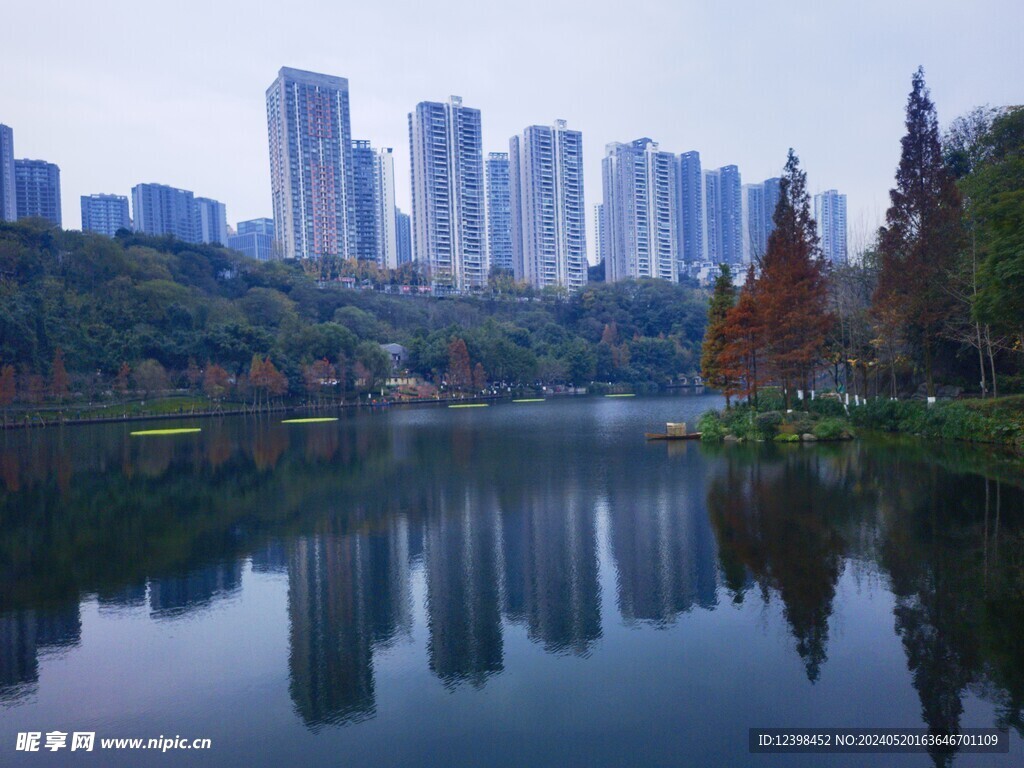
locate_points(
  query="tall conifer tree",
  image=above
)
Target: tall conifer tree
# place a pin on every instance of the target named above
(922, 234)
(792, 286)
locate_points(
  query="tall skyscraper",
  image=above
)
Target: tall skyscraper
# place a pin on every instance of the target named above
(724, 215)
(402, 225)
(212, 221)
(448, 227)
(254, 238)
(105, 214)
(549, 239)
(691, 208)
(8, 196)
(37, 190)
(759, 201)
(753, 222)
(384, 202)
(364, 209)
(601, 234)
(499, 211)
(830, 213)
(641, 209)
(158, 209)
(373, 204)
(310, 164)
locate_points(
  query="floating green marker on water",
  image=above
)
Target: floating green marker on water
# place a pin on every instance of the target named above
(628, 394)
(530, 400)
(319, 420)
(183, 431)
(470, 405)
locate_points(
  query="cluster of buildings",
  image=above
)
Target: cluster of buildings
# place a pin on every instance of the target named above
(661, 216)
(664, 216)
(521, 211)
(31, 189)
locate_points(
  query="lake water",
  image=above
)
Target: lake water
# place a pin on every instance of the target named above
(524, 584)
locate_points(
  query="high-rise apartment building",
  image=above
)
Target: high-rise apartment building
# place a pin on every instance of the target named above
(723, 210)
(373, 204)
(754, 239)
(549, 240)
(8, 196)
(402, 225)
(211, 221)
(830, 213)
(601, 234)
(384, 201)
(310, 164)
(692, 235)
(759, 201)
(641, 209)
(37, 190)
(158, 209)
(499, 211)
(363, 219)
(105, 214)
(448, 219)
(254, 238)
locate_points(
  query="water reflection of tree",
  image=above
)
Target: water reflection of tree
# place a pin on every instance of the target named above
(776, 520)
(958, 598)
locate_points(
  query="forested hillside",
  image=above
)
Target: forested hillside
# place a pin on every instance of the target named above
(113, 311)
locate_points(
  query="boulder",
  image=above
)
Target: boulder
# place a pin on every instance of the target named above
(807, 437)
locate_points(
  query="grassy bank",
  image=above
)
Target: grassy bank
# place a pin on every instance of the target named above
(997, 421)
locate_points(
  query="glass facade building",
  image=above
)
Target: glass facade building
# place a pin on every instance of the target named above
(691, 208)
(499, 211)
(723, 210)
(404, 232)
(254, 238)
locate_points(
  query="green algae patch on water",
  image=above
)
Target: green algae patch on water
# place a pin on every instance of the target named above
(319, 420)
(157, 432)
(628, 394)
(470, 405)
(530, 400)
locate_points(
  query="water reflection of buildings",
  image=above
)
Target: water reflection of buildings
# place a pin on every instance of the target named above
(463, 594)
(663, 546)
(173, 596)
(348, 593)
(24, 635)
(550, 558)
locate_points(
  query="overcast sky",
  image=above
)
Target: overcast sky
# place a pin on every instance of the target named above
(118, 93)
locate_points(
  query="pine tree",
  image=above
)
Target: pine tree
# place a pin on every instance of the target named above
(460, 375)
(793, 290)
(58, 377)
(922, 234)
(722, 300)
(8, 388)
(740, 361)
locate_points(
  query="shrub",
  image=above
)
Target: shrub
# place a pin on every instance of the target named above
(765, 425)
(829, 429)
(826, 406)
(770, 399)
(787, 437)
(710, 427)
